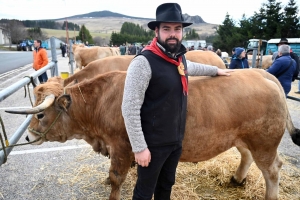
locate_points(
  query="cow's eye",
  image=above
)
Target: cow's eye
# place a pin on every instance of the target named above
(40, 116)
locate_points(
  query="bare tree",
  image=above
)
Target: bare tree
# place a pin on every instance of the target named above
(16, 31)
(101, 41)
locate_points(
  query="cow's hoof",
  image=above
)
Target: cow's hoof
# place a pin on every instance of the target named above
(107, 181)
(234, 182)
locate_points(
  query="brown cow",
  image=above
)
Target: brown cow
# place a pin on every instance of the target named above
(265, 64)
(121, 63)
(205, 57)
(83, 55)
(101, 66)
(252, 116)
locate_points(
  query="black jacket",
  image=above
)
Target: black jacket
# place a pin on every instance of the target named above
(163, 113)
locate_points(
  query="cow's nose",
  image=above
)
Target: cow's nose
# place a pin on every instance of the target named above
(27, 138)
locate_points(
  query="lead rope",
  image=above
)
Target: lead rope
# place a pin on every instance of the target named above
(6, 144)
(81, 93)
(33, 84)
(2, 142)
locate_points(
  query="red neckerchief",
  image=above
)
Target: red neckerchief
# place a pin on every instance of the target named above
(156, 50)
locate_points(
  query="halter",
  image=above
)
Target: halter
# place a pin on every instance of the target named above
(43, 134)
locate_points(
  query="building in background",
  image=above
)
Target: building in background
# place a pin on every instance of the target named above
(4, 37)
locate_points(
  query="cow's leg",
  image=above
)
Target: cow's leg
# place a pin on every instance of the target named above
(239, 178)
(270, 165)
(119, 167)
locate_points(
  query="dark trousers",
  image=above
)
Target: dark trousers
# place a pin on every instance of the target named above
(159, 176)
(43, 77)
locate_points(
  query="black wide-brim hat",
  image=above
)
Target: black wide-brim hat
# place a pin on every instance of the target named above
(168, 12)
(283, 41)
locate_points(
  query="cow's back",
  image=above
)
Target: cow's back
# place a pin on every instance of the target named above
(205, 57)
(243, 109)
(100, 66)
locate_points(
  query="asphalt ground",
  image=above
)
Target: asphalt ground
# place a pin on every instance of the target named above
(58, 170)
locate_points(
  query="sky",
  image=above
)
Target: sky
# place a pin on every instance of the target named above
(211, 11)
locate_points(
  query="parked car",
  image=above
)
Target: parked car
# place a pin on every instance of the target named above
(25, 45)
(45, 45)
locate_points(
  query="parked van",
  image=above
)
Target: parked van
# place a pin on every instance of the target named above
(196, 43)
(253, 44)
(293, 42)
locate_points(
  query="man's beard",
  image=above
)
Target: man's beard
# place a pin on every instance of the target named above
(172, 48)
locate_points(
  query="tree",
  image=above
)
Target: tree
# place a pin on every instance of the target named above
(274, 19)
(192, 35)
(291, 25)
(258, 23)
(84, 35)
(131, 33)
(16, 31)
(226, 35)
(101, 41)
(36, 33)
(71, 26)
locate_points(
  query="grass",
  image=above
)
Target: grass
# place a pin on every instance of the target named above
(5, 48)
(62, 33)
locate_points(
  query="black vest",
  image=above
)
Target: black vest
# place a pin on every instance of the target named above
(163, 113)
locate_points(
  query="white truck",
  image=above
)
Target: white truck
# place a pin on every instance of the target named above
(198, 44)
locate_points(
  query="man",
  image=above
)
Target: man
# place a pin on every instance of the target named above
(283, 67)
(132, 49)
(122, 49)
(63, 49)
(141, 48)
(210, 48)
(155, 103)
(292, 54)
(40, 60)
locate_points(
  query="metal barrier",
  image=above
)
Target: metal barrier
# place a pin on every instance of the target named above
(16, 86)
(294, 98)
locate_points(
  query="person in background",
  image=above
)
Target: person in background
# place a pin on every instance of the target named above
(122, 49)
(233, 52)
(40, 60)
(63, 49)
(141, 48)
(132, 49)
(210, 48)
(239, 60)
(292, 54)
(219, 53)
(283, 67)
(154, 103)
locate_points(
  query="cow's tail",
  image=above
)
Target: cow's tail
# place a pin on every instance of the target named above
(294, 132)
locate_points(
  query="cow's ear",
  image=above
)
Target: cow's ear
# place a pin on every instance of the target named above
(63, 102)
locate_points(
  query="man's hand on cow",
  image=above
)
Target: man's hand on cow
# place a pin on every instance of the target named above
(143, 158)
(224, 72)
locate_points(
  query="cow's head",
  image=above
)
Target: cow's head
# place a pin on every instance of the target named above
(47, 123)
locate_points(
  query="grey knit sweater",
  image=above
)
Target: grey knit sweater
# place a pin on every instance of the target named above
(136, 83)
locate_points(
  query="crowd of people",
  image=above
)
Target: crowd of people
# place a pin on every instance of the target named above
(284, 67)
(131, 49)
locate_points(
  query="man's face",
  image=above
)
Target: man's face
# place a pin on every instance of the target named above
(169, 35)
(36, 44)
